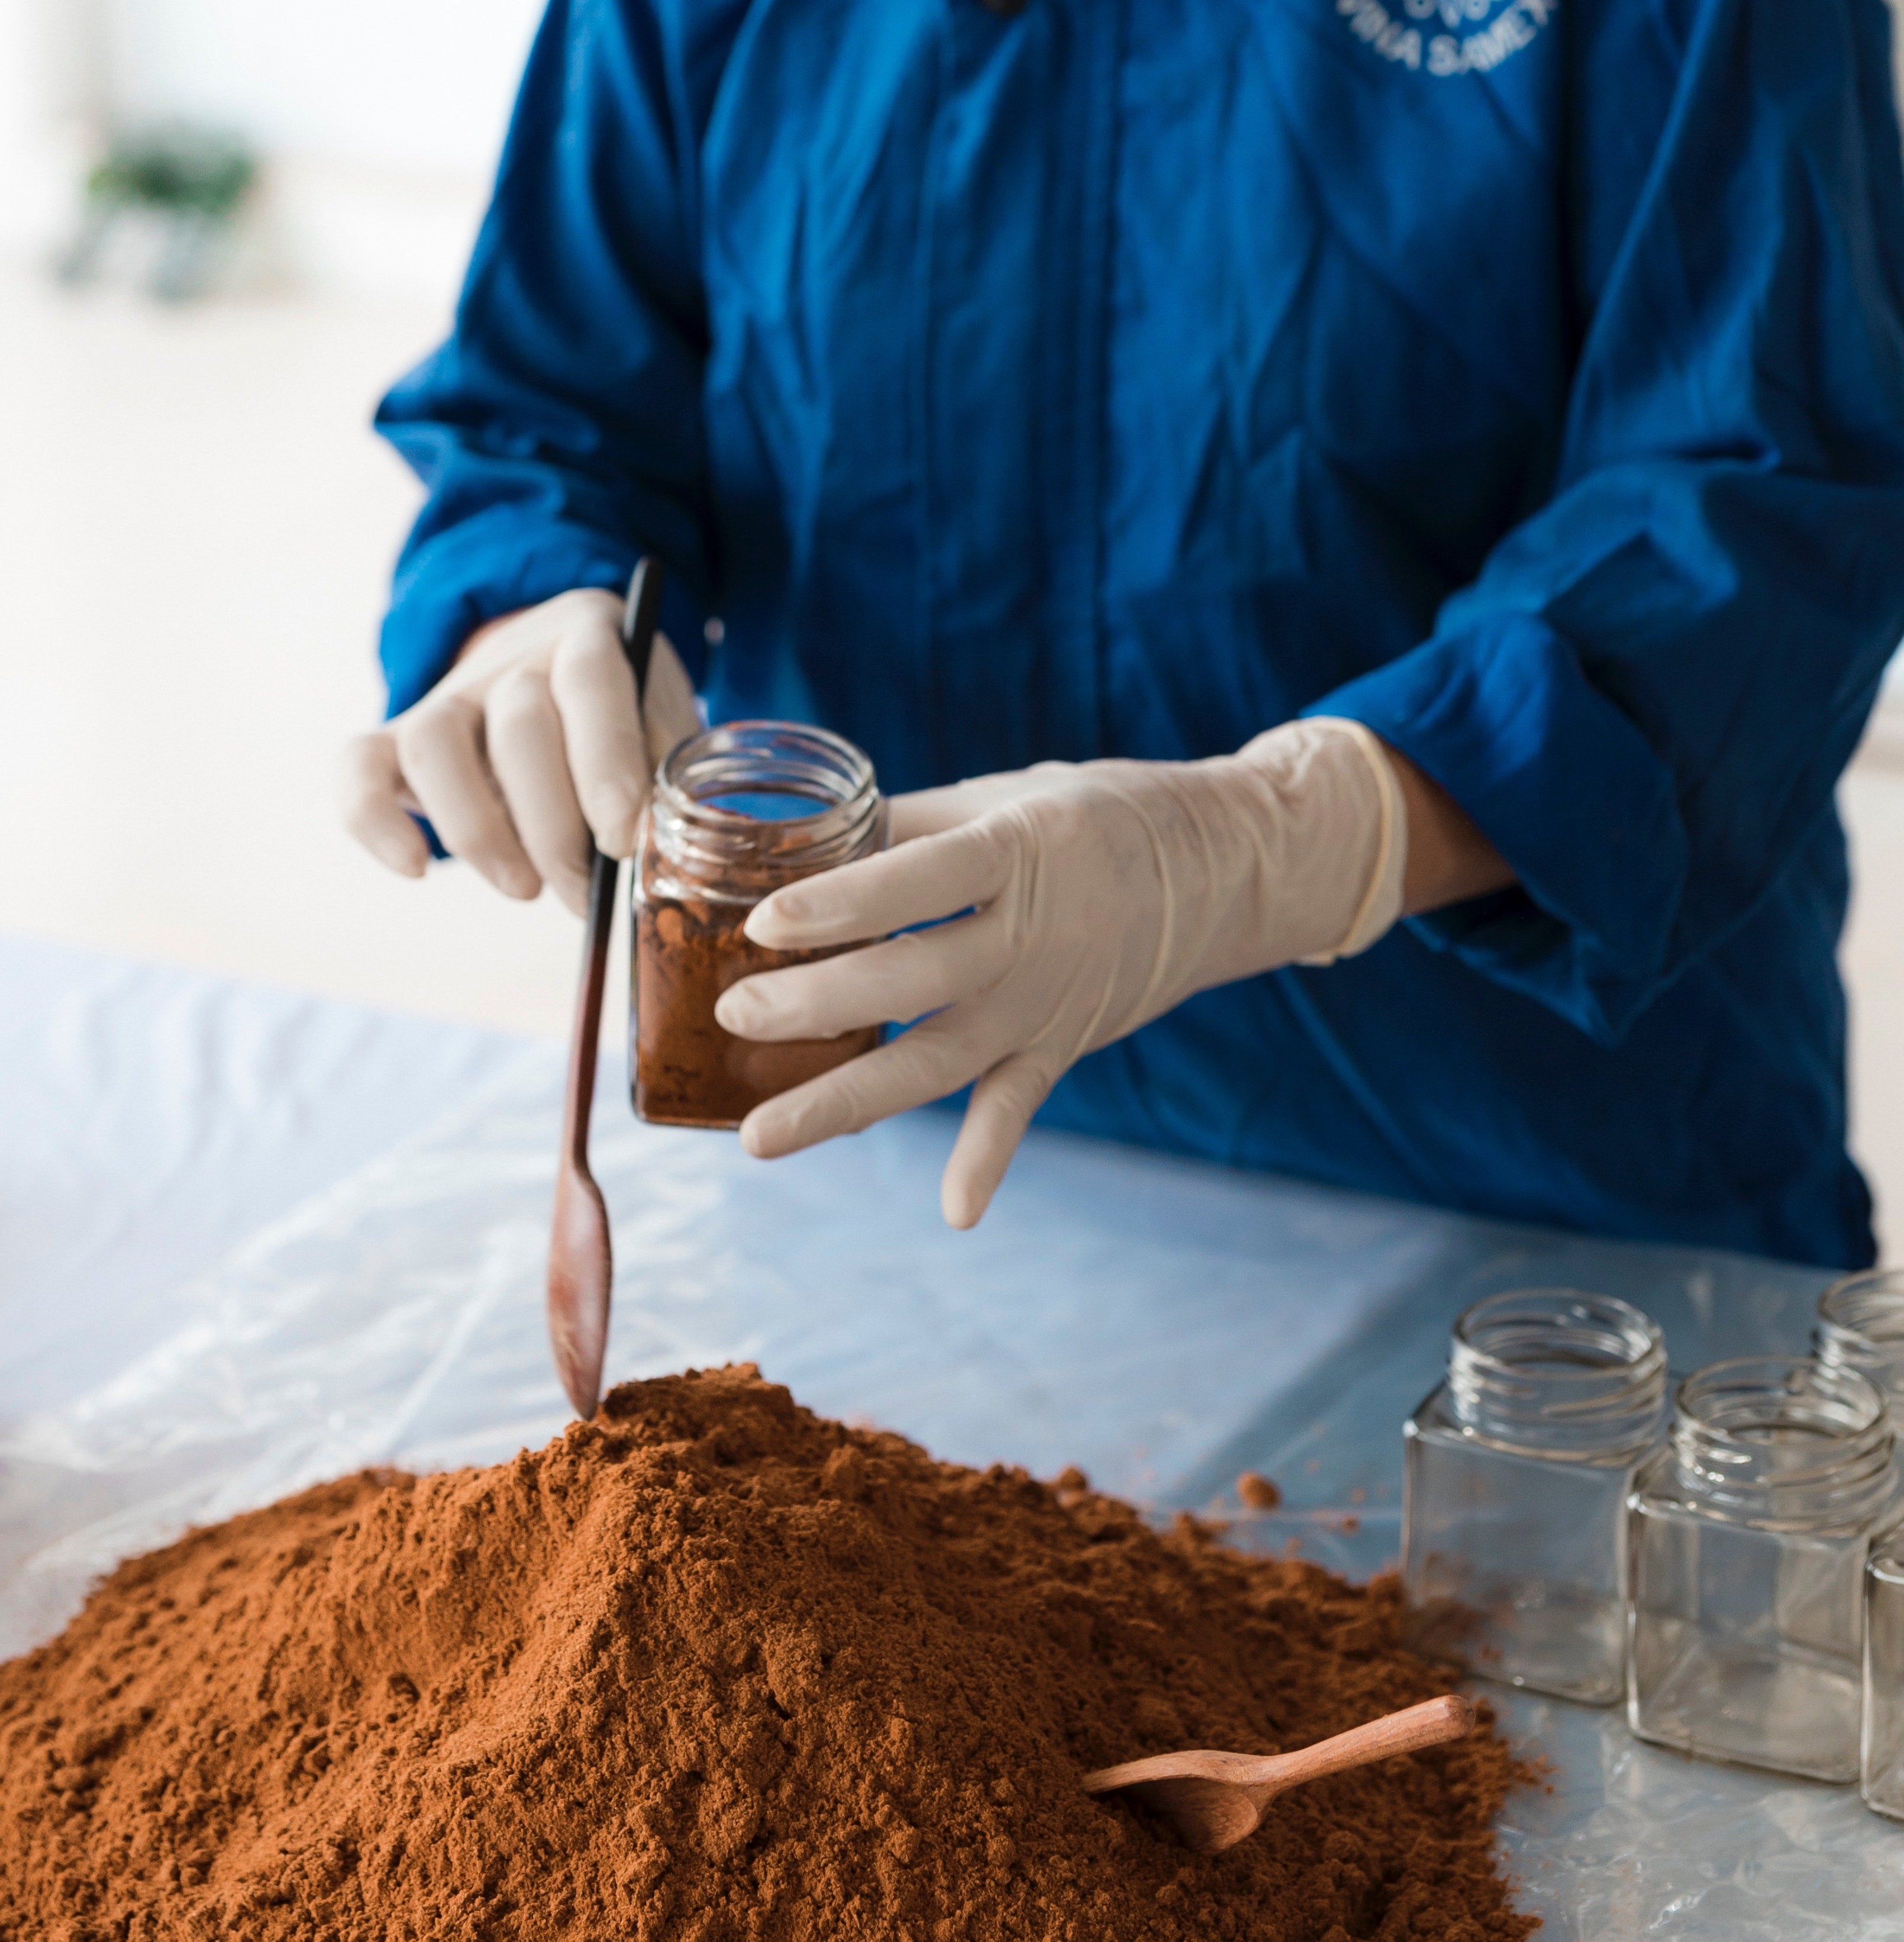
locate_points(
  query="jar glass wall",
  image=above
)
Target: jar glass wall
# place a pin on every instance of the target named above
(1515, 1486)
(1750, 1534)
(736, 813)
(1882, 1753)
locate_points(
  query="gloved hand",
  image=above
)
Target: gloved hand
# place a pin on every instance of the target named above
(532, 740)
(1100, 895)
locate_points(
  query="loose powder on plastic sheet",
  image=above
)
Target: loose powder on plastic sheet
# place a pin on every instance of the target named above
(711, 1668)
(1257, 1493)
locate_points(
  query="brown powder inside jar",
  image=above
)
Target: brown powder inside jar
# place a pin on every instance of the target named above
(711, 1669)
(689, 1070)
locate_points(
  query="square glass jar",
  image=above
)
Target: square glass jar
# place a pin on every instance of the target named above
(738, 812)
(1517, 1475)
(1750, 1533)
(1883, 1752)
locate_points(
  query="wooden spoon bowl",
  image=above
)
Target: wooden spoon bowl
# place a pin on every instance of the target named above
(1216, 1799)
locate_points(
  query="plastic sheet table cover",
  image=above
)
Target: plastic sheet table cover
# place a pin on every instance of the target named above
(1162, 1323)
(155, 1117)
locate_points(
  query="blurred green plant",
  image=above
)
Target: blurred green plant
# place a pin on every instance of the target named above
(181, 169)
(193, 180)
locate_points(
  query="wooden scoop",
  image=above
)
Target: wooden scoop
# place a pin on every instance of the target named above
(1215, 1799)
(581, 1260)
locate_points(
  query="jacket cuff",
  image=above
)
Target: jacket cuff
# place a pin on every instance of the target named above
(1581, 807)
(495, 563)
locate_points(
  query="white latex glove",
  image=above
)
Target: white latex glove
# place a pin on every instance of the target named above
(1101, 895)
(532, 741)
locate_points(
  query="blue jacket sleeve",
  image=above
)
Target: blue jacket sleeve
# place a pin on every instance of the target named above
(559, 429)
(1645, 698)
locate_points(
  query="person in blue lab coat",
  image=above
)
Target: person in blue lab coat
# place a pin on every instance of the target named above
(1004, 382)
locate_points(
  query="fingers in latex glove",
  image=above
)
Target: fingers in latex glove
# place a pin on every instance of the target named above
(962, 1046)
(1003, 1103)
(929, 811)
(442, 752)
(946, 850)
(926, 1063)
(955, 860)
(376, 805)
(889, 983)
(979, 976)
(931, 1060)
(528, 751)
(934, 1058)
(533, 743)
(1103, 894)
(918, 882)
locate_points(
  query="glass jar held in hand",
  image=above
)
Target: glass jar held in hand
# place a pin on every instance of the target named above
(736, 813)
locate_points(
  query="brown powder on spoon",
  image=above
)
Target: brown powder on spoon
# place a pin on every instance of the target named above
(715, 1669)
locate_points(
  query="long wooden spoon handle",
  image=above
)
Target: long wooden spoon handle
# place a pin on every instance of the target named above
(640, 611)
(1430, 1724)
(581, 1250)
(585, 1034)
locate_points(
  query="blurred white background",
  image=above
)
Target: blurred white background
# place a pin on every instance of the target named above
(197, 526)
(380, 119)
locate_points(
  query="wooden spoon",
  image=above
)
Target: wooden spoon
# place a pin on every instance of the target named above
(581, 1260)
(1216, 1799)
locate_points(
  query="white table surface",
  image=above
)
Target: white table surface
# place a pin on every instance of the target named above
(249, 1241)
(154, 1118)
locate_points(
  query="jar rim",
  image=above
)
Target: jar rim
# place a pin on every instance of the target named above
(1558, 1373)
(824, 751)
(1785, 1384)
(1601, 1318)
(1785, 1441)
(696, 845)
(1855, 1303)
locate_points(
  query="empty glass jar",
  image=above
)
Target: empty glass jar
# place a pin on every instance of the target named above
(1518, 1471)
(1750, 1534)
(1860, 1326)
(1883, 1755)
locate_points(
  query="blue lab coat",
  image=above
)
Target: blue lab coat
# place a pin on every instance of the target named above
(1524, 378)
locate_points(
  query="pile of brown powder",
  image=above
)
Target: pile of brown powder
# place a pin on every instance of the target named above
(713, 1669)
